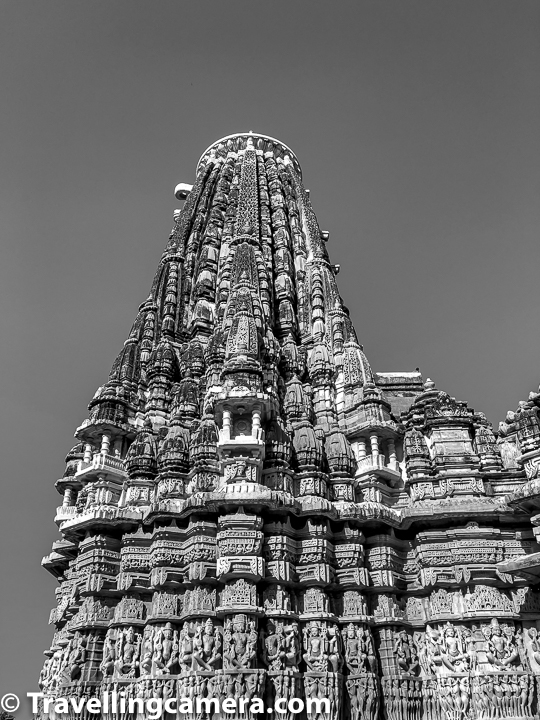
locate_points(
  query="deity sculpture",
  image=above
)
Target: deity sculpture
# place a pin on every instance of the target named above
(185, 649)
(240, 647)
(166, 650)
(355, 658)
(109, 655)
(127, 652)
(315, 646)
(406, 660)
(452, 655)
(77, 657)
(501, 650)
(274, 646)
(335, 655)
(206, 647)
(147, 651)
(292, 647)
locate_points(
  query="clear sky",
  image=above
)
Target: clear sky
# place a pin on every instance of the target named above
(417, 127)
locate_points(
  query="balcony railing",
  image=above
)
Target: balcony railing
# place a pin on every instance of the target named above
(102, 464)
(65, 512)
(377, 464)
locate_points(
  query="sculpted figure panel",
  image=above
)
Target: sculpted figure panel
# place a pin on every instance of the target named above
(166, 650)
(239, 642)
(359, 651)
(127, 650)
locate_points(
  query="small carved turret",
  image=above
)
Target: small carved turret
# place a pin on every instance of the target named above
(339, 454)
(174, 450)
(486, 444)
(417, 457)
(141, 459)
(203, 449)
(278, 444)
(308, 452)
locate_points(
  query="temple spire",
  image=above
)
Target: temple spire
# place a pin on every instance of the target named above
(251, 511)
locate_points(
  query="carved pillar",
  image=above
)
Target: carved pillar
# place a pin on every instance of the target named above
(68, 495)
(374, 441)
(105, 444)
(87, 457)
(362, 449)
(256, 424)
(227, 424)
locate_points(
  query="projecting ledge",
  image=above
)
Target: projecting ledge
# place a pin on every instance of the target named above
(527, 497)
(527, 563)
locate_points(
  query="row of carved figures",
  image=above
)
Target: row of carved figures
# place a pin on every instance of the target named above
(129, 652)
(492, 696)
(200, 646)
(456, 649)
(253, 691)
(488, 696)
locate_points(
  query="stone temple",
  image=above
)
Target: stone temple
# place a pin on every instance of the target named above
(251, 511)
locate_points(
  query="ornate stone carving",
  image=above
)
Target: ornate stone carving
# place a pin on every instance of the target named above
(359, 650)
(239, 642)
(166, 650)
(240, 593)
(127, 650)
(251, 512)
(501, 648)
(487, 598)
(207, 647)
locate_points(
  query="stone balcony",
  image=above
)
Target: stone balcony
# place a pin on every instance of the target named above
(104, 466)
(247, 441)
(64, 512)
(69, 518)
(377, 465)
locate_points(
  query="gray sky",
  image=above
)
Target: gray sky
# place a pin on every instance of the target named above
(416, 125)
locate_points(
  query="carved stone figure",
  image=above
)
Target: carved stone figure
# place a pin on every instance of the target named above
(274, 646)
(127, 652)
(354, 657)
(185, 649)
(240, 642)
(206, 647)
(315, 646)
(166, 650)
(453, 656)
(109, 655)
(406, 656)
(501, 650)
(77, 657)
(147, 651)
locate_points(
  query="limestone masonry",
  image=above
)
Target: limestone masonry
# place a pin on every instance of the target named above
(251, 511)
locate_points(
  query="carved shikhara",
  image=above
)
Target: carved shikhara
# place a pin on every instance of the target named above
(251, 511)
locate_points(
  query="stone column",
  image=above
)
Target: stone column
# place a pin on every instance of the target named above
(87, 457)
(256, 425)
(226, 424)
(374, 446)
(68, 495)
(105, 444)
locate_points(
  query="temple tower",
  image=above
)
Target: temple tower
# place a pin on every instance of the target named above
(251, 511)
